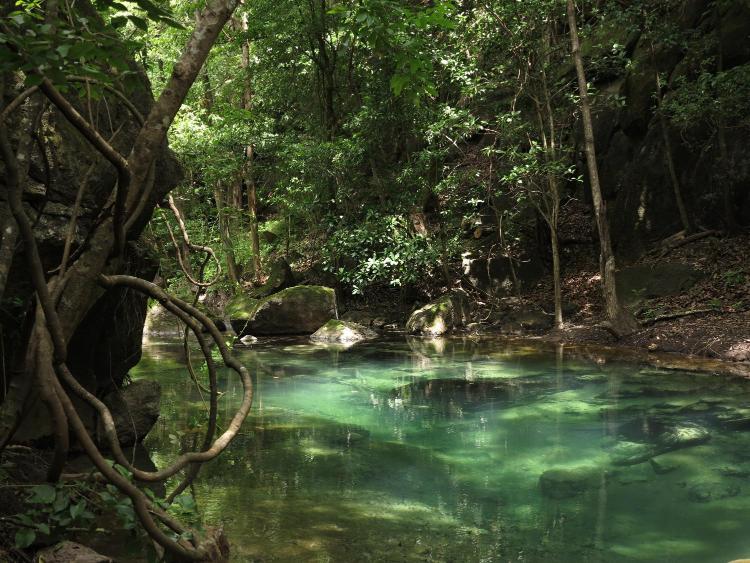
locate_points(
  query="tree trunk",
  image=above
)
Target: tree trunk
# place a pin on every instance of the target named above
(621, 320)
(224, 233)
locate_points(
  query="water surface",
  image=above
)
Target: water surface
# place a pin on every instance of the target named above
(433, 451)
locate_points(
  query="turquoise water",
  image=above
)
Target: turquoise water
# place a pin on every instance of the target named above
(435, 451)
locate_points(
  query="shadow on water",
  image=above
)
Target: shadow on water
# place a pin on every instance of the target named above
(466, 450)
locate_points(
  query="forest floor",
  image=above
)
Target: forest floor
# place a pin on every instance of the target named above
(710, 319)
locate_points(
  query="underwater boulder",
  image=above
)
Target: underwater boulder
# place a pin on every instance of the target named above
(563, 483)
(301, 309)
(343, 332)
(443, 315)
(712, 490)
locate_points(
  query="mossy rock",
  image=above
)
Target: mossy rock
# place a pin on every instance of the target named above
(302, 309)
(240, 309)
(345, 332)
(449, 312)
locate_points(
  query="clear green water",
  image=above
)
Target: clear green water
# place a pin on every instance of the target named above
(419, 451)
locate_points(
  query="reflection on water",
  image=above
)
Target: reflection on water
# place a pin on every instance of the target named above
(459, 450)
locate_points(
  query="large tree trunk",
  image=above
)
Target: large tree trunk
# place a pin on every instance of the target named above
(621, 320)
(248, 167)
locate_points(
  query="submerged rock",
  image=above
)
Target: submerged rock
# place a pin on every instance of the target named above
(135, 410)
(343, 332)
(70, 552)
(710, 491)
(566, 483)
(668, 439)
(449, 312)
(302, 309)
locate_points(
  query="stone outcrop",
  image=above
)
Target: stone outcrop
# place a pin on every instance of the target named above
(443, 315)
(302, 309)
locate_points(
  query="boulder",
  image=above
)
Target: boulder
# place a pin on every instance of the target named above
(279, 278)
(449, 312)
(655, 280)
(526, 319)
(344, 332)
(161, 323)
(494, 275)
(135, 410)
(70, 552)
(568, 482)
(302, 309)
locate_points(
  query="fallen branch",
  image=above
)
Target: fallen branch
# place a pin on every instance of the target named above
(672, 316)
(677, 242)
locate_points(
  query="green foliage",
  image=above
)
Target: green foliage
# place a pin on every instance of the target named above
(381, 250)
(79, 42)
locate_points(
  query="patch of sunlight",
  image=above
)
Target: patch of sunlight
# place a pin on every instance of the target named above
(655, 547)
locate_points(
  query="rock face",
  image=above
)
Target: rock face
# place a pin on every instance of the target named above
(135, 410)
(107, 341)
(302, 309)
(343, 332)
(630, 145)
(655, 280)
(70, 552)
(560, 484)
(449, 312)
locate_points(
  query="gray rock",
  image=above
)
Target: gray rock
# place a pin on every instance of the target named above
(302, 309)
(70, 552)
(565, 483)
(135, 410)
(343, 332)
(449, 312)
(161, 323)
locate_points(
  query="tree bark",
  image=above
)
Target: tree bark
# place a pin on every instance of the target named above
(621, 320)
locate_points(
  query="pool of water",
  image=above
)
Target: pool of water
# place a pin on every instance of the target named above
(463, 450)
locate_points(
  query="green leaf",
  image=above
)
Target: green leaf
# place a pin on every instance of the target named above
(43, 528)
(43, 494)
(24, 538)
(77, 509)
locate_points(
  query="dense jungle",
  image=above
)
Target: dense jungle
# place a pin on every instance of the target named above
(374, 280)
